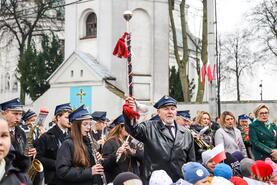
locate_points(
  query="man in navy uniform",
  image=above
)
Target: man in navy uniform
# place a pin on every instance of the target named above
(167, 145)
(100, 125)
(12, 111)
(49, 143)
(183, 118)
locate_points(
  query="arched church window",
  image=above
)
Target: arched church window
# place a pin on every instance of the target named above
(7, 81)
(91, 25)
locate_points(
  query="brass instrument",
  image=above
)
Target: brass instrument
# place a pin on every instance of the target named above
(200, 142)
(36, 166)
(94, 144)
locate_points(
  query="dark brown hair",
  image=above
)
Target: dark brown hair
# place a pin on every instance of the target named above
(80, 154)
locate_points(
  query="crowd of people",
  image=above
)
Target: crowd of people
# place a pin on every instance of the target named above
(172, 147)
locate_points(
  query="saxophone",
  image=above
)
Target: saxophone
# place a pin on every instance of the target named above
(94, 144)
(36, 166)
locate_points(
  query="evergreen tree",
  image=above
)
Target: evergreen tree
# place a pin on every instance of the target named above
(38, 66)
(175, 87)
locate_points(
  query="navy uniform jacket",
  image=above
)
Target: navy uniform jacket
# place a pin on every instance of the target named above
(161, 151)
(70, 174)
(47, 148)
(20, 141)
(263, 139)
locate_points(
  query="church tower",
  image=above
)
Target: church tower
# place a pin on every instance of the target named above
(94, 27)
(90, 73)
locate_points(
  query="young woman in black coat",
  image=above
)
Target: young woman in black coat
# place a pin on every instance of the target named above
(10, 174)
(75, 164)
(116, 146)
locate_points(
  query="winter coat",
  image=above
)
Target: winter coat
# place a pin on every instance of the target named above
(231, 139)
(47, 148)
(125, 163)
(68, 173)
(263, 139)
(161, 151)
(20, 141)
(16, 174)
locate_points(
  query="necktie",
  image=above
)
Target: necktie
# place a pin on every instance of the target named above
(12, 136)
(170, 130)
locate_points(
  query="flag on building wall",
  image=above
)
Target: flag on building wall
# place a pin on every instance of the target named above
(209, 71)
(81, 95)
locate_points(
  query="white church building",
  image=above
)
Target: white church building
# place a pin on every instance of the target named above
(90, 74)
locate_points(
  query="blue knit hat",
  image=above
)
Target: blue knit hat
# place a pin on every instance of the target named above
(223, 170)
(194, 172)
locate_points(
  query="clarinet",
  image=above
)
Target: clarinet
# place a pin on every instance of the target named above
(119, 156)
(94, 152)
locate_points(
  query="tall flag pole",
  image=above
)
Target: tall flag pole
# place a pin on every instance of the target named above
(127, 16)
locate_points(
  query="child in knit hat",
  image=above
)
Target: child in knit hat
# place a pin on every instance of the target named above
(160, 177)
(195, 173)
(233, 163)
(261, 171)
(273, 178)
(238, 181)
(223, 170)
(245, 167)
(127, 178)
(207, 161)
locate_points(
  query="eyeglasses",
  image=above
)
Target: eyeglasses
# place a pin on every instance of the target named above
(264, 113)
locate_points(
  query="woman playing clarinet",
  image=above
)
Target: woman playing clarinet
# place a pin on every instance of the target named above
(117, 153)
(75, 160)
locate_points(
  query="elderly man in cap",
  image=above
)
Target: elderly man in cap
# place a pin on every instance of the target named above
(12, 112)
(183, 118)
(50, 142)
(167, 145)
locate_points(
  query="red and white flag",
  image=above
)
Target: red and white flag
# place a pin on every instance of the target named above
(209, 71)
(218, 153)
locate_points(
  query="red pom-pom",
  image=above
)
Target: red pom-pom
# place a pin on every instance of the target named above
(120, 49)
(261, 169)
(130, 112)
(238, 181)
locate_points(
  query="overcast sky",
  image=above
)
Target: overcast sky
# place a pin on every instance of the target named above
(231, 17)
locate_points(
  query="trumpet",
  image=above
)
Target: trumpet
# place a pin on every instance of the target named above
(199, 141)
(94, 144)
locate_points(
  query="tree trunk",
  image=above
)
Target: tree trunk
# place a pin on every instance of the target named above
(204, 51)
(181, 61)
(237, 68)
(185, 83)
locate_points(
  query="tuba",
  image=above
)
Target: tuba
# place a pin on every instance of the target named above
(36, 165)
